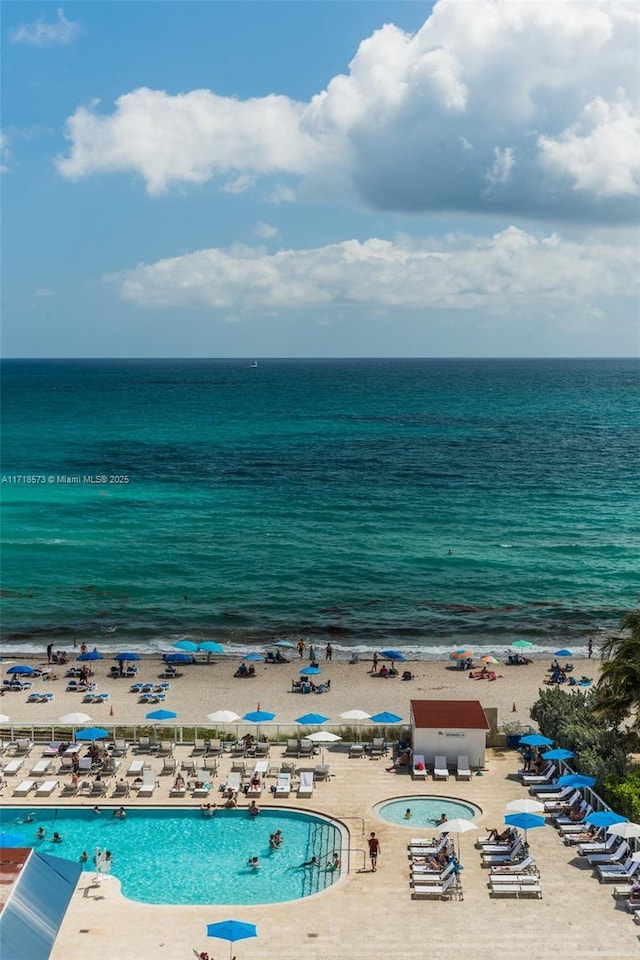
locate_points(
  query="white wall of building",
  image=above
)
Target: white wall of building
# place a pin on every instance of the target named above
(450, 743)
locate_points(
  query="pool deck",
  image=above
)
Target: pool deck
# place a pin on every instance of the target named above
(365, 915)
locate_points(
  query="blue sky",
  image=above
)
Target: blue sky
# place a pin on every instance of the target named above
(320, 179)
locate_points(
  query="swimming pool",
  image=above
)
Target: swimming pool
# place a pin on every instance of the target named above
(425, 811)
(182, 857)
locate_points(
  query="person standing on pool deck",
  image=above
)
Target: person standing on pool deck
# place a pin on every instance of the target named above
(374, 850)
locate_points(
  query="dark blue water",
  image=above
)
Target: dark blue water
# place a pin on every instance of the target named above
(415, 503)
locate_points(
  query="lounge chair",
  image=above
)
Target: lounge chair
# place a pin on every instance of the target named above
(510, 856)
(122, 789)
(463, 770)
(378, 747)
(188, 766)
(441, 890)
(166, 748)
(210, 763)
(262, 749)
(169, 766)
(69, 790)
(46, 788)
(291, 750)
(530, 778)
(614, 872)
(610, 856)
(321, 772)
(234, 780)
(567, 798)
(135, 768)
(24, 788)
(98, 788)
(528, 865)
(419, 767)
(257, 778)
(214, 748)
(144, 745)
(440, 769)
(199, 747)
(283, 785)
(23, 747)
(421, 846)
(149, 783)
(176, 791)
(524, 888)
(305, 786)
(598, 846)
(356, 750)
(202, 785)
(11, 768)
(425, 875)
(306, 748)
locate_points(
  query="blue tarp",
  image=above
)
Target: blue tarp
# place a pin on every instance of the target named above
(31, 918)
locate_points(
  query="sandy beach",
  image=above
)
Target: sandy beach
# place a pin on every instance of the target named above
(204, 688)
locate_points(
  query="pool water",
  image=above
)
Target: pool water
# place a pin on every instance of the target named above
(182, 857)
(425, 811)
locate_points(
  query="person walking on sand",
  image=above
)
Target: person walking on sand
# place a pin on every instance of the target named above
(590, 649)
(49, 652)
(300, 646)
(374, 850)
(374, 668)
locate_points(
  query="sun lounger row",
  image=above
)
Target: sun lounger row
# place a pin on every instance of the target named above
(40, 697)
(524, 887)
(42, 789)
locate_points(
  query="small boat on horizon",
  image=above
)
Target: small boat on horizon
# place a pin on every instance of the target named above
(255, 363)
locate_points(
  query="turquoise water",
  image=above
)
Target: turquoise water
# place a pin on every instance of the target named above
(420, 504)
(171, 856)
(425, 811)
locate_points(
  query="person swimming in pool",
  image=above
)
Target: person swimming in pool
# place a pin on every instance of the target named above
(253, 862)
(408, 815)
(40, 834)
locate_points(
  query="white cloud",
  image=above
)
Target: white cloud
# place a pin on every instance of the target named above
(526, 96)
(508, 271)
(42, 33)
(45, 292)
(5, 153)
(265, 231)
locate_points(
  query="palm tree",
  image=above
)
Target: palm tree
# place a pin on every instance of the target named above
(618, 690)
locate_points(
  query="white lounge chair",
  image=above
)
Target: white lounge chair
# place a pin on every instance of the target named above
(440, 769)
(135, 768)
(441, 890)
(419, 767)
(283, 785)
(11, 768)
(148, 783)
(610, 856)
(24, 788)
(616, 872)
(46, 788)
(463, 770)
(305, 787)
(234, 780)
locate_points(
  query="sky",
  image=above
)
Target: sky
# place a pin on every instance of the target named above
(320, 179)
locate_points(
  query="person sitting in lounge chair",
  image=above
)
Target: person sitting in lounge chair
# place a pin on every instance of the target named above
(402, 760)
(496, 837)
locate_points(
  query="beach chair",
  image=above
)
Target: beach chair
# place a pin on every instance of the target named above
(120, 748)
(23, 747)
(528, 865)
(69, 790)
(199, 747)
(419, 767)
(166, 748)
(214, 748)
(440, 769)
(40, 768)
(24, 788)
(283, 785)
(598, 846)
(144, 745)
(135, 768)
(259, 771)
(262, 749)
(321, 772)
(567, 798)
(305, 786)
(356, 750)
(463, 770)
(427, 875)
(440, 890)
(610, 856)
(98, 788)
(305, 748)
(202, 785)
(617, 872)
(148, 784)
(11, 768)
(424, 847)
(169, 767)
(238, 766)
(291, 749)
(46, 788)
(121, 789)
(509, 856)
(378, 747)
(234, 780)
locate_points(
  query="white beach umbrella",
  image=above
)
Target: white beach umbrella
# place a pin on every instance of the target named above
(624, 829)
(323, 736)
(458, 825)
(75, 718)
(525, 806)
(223, 716)
(358, 716)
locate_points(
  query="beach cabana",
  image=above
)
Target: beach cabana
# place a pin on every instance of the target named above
(449, 728)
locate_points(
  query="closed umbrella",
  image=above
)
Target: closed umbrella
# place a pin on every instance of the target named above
(525, 805)
(392, 655)
(231, 930)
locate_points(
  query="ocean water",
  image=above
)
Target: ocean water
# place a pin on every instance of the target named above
(420, 504)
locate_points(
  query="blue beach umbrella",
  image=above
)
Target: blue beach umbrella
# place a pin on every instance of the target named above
(177, 658)
(311, 719)
(126, 655)
(161, 715)
(536, 740)
(254, 656)
(92, 733)
(186, 645)
(525, 821)
(392, 655)
(12, 840)
(385, 717)
(310, 671)
(557, 754)
(604, 818)
(576, 780)
(22, 669)
(259, 716)
(210, 646)
(90, 655)
(563, 653)
(231, 930)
